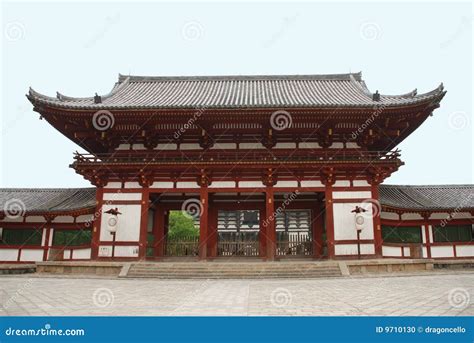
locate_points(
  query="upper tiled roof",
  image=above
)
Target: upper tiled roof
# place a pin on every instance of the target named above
(47, 200)
(428, 197)
(338, 90)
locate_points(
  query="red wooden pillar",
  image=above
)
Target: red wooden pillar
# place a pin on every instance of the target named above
(159, 231)
(99, 201)
(270, 221)
(142, 245)
(262, 235)
(203, 223)
(317, 228)
(329, 221)
(213, 224)
(426, 224)
(377, 222)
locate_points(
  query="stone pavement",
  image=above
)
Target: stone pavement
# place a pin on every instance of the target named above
(430, 294)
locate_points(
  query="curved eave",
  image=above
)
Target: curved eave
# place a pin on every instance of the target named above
(392, 208)
(433, 100)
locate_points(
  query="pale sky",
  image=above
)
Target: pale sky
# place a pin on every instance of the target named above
(79, 49)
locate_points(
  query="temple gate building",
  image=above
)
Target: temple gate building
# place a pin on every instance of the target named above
(268, 167)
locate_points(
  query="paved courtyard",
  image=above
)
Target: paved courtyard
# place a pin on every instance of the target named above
(433, 294)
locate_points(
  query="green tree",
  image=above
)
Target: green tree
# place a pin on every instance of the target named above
(181, 226)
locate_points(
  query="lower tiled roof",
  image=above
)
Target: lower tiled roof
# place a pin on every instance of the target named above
(46, 200)
(50, 200)
(428, 197)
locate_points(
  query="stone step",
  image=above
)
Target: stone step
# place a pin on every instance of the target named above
(232, 270)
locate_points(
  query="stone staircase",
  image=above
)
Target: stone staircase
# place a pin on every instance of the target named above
(231, 270)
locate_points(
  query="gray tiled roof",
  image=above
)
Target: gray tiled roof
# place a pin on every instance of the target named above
(338, 90)
(428, 197)
(403, 197)
(47, 200)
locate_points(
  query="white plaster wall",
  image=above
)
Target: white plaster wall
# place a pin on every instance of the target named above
(123, 196)
(344, 223)
(286, 184)
(342, 183)
(352, 145)
(337, 145)
(189, 146)
(442, 251)
(411, 216)
(251, 146)
(35, 219)
(132, 185)
(221, 146)
(250, 184)
(105, 251)
(309, 145)
(424, 252)
(454, 215)
(123, 147)
(81, 254)
(187, 185)
(389, 215)
(285, 146)
(14, 220)
(138, 147)
(51, 235)
(63, 219)
(85, 218)
(351, 249)
(406, 251)
(126, 251)
(8, 254)
(128, 227)
(391, 251)
(351, 195)
(423, 234)
(313, 183)
(67, 254)
(159, 184)
(43, 237)
(31, 255)
(222, 184)
(113, 185)
(465, 250)
(360, 183)
(166, 146)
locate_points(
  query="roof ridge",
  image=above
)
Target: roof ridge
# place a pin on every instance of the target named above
(342, 77)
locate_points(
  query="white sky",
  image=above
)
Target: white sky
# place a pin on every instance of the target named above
(79, 49)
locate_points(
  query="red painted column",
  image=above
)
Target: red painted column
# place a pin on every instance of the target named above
(317, 229)
(203, 223)
(377, 222)
(213, 223)
(270, 221)
(329, 221)
(427, 235)
(46, 239)
(263, 234)
(96, 223)
(143, 225)
(159, 231)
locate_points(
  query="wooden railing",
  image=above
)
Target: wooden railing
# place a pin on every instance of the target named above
(294, 244)
(238, 248)
(277, 155)
(187, 246)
